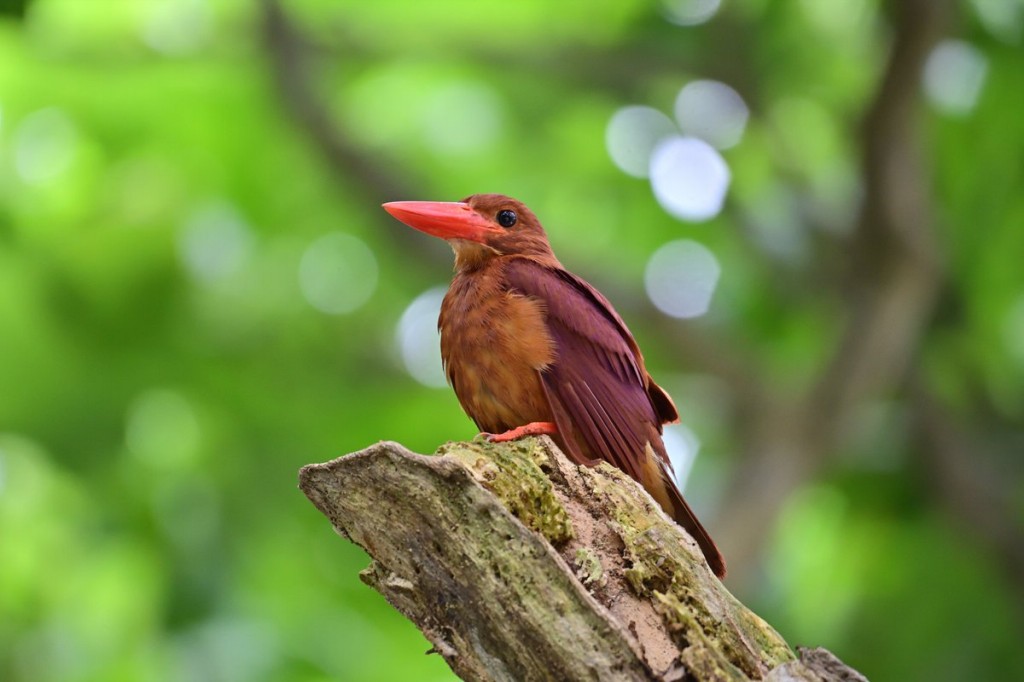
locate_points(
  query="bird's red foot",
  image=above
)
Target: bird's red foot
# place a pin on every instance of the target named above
(531, 429)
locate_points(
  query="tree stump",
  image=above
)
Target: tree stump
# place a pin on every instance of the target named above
(519, 565)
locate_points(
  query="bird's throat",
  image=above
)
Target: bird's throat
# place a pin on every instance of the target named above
(471, 255)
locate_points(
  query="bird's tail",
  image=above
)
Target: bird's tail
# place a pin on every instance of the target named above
(685, 517)
(663, 488)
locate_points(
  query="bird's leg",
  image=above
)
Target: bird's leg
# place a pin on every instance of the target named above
(531, 429)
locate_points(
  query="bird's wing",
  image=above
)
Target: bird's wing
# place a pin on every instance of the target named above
(597, 386)
(603, 401)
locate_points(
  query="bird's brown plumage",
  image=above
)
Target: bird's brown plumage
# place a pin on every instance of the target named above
(524, 340)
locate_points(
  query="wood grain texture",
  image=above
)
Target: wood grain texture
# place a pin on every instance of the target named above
(519, 565)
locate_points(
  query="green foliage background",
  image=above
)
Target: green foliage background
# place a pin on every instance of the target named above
(152, 421)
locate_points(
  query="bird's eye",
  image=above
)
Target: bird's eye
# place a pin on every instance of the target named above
(507, 218)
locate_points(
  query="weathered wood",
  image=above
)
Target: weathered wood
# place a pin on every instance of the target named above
(518, 565)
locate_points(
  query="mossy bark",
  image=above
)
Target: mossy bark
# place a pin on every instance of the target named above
(519, 565)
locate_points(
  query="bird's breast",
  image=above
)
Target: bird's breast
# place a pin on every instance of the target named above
(494, 343)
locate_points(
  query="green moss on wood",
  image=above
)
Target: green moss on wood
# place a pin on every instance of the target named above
(735, 642)
(513, 472)
(447, 556)
(728, 639)
(588, 566)
(705, 663)
(717, 651)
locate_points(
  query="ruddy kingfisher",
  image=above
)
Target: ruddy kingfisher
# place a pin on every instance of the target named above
(531, 348)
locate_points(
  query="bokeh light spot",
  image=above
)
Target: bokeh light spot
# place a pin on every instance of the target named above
(418, 341)
(144, 189)
(681, 278)
(176, 27)
(689, 178)
(462, 118)
(187, 509)
(712, 111)
(338, 273)
(25, 477)
(162, 429)
(1003, 18)
(816, 559)
(837, 16)
(214, 242)
(682, 445)
(690, 12)
(773, 218)
(228, 648)
(631, 136)
(954, 76)
(44, 145)
(1013, 331)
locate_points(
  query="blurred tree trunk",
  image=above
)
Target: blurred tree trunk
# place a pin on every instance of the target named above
(518, 565)
(889, 285)
(14, 8)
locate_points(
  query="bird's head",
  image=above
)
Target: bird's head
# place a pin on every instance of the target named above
(479, 227)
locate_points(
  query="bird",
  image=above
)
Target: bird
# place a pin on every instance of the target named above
(531, 348)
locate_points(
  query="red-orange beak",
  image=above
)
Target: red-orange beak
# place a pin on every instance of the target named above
(444, 219)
